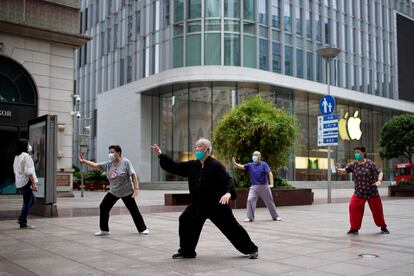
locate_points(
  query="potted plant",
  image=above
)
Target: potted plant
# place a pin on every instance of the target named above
(96, 180)
(404, 188)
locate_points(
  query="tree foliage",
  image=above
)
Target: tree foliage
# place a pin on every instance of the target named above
(255, 125)
(397, 137)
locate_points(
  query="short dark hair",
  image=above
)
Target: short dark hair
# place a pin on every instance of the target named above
(116, 148)
(361, 148)
(21, 146)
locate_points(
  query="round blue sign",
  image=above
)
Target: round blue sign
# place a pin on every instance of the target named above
(327, 105)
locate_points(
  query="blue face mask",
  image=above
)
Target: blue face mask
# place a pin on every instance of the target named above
(199, 155)
(111, 157)
(255, 158)
(358, 156)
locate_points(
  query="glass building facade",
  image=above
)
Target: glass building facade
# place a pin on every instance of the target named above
(136, 39)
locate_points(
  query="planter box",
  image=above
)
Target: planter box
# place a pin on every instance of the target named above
(281, 198)
(92, 186)
(401, 191)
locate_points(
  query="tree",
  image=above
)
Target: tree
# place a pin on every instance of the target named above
(397, 137)
(255, 125)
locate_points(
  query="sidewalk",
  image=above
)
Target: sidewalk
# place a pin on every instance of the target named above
(311, 240)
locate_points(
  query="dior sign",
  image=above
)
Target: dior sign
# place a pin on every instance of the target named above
(5, 113)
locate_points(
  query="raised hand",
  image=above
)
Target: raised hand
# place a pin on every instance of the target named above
(156, 149)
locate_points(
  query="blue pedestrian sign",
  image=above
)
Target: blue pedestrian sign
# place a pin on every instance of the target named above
(327, 105)
(328, 130)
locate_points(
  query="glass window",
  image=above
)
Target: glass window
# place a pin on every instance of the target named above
(299, 63)
(212, 8)
(288, 17)
(212, 51)
(327, 24)
(194, 9)
(288, 60)
(309, 66)
(224, 95)
(318, 68)
(232, 49)
(249, 28)
(165, 13)
(232, 8)
(178, 52)
(181, 150)
(200, 111)
(298, 16)
(308, 15)
(231, 25)
(318, 27)
(212, 24)
(276, 58)
(263, 54)
(263, 12)
(275, 14)
(248, 10)
(194, 26)
(178, 10)
(245, 91)
(193, 57)
(249, 51)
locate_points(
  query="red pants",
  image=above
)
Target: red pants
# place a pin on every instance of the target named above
(356, 211)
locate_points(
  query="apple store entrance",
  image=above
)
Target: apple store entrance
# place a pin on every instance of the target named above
(183, 112)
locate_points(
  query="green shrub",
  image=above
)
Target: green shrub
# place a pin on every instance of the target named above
(409, 182)
(255, 125)
(280, 183)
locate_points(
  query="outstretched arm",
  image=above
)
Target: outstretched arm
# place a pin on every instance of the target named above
(88, 163)
(178, 168)
(340, 171)
(237, 165)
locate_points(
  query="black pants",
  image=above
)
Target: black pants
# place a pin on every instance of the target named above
(190, 228)
(109, 201)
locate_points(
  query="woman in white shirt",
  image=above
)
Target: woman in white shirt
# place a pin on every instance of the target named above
(26, 180)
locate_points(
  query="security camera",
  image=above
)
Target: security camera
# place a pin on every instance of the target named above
(77, 99)
(75, 113)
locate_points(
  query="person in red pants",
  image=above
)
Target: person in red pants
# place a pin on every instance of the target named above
(367, 177)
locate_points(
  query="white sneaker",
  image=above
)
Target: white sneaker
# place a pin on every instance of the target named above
(102, 233)
(278, 219)
(247, 220)
(145, 232)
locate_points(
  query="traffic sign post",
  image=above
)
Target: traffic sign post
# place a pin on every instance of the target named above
(328, 130)
(327, 105)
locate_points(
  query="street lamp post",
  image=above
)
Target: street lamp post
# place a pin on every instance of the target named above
(328, 54)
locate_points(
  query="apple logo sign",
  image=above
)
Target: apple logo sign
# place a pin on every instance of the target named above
(350, 128)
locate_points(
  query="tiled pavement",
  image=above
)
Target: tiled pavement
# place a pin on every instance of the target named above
(311, 240)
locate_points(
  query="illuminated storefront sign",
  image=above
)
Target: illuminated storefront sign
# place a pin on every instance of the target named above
(350, 127)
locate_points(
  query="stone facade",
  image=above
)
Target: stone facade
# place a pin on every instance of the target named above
(42, 37)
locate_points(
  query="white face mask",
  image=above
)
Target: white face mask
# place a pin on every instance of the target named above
(111, 157)
(29, 148)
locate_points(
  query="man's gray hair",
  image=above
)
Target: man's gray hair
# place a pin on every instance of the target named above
(206, 143)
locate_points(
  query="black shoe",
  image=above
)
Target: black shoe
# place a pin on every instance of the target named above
(384, 230)
(254, 255)
(26, 226)
(352, 232)
(181, 255)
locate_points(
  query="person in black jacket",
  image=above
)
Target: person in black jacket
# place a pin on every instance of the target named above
(210, 191)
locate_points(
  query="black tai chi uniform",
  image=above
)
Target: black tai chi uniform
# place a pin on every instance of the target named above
(207, 185)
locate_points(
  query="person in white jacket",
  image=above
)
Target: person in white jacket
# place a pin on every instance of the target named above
(26, 180)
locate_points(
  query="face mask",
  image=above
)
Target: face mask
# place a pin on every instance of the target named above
(358, 156)
(111, 157)
(29, 148)
(199, 155)
(255, 158)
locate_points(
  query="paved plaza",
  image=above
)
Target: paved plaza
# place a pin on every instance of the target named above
(311, 240)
